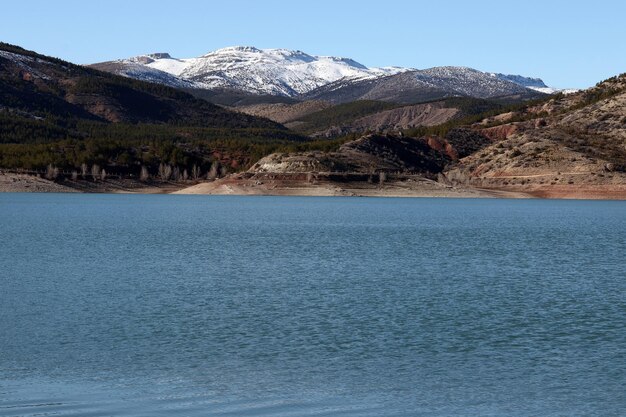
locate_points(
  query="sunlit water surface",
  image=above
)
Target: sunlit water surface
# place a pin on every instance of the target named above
(115, 305)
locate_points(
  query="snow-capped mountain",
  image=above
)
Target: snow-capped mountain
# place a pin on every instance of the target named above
(38, 88)
(422, 85)
(259, 71)
(295, 74)
(469, 82)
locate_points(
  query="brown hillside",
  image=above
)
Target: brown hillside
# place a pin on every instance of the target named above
(567, 144)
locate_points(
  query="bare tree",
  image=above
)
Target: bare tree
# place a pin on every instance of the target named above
(144, 175)
(223, 171)
(165, 172)
(309, 177)
(74, 175)
(195, 172)
(161, 172)
(213, 171)
(95, 171)
(84, 169)
(52, 172)
(185, 175)
(382, 177)
(176, 174)
(103, 175)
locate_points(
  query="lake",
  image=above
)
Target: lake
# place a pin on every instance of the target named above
(143, 305)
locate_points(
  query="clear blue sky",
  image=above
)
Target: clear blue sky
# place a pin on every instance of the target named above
(567, 43)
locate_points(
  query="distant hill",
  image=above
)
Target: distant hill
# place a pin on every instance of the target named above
(263, 73)
(55, 112)
(574, 140)
(322, 119)
(567, 146)
(419, 86)
(278, 72)
(37, 85)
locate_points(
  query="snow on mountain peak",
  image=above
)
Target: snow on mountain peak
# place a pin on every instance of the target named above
(235, 49)
(291, 73)
(261, 71)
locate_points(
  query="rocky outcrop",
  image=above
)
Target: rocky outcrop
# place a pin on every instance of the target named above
(498, 133)
(369, 154)
(577, 140)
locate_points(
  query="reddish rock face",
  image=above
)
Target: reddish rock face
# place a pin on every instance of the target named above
(499, 132)
(443, 146)
(451, 152)
(434, 143)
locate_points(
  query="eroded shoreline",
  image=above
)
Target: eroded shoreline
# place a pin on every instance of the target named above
(268, 186)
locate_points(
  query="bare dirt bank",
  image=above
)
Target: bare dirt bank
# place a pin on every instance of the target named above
(21, 183)
(572, 192)
(301, 185)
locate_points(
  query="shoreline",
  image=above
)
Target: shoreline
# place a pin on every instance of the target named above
(244, 185)
(392, 189)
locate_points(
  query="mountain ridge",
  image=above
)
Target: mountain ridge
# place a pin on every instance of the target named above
(294, 73)
(41, 86)
(258, 71)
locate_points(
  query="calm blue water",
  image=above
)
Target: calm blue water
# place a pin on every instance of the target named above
(114, 305)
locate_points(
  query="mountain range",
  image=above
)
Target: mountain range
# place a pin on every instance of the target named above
(333, 120)
(298, 75)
